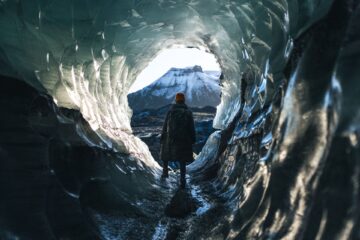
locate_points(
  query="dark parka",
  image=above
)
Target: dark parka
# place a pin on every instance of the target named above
(178, 146)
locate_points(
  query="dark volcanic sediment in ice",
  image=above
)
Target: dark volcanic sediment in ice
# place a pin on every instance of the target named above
(285, 164)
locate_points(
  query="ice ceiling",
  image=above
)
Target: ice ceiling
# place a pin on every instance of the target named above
(86, 54)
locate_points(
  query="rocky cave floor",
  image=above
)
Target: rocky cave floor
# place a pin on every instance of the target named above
(174, 212)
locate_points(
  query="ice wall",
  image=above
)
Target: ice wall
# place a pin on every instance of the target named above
(86, 54)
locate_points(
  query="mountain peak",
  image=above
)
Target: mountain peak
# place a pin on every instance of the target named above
(200, 89)
(195, 68)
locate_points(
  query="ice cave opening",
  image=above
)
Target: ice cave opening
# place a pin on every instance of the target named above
(283, 164)
(189, 70)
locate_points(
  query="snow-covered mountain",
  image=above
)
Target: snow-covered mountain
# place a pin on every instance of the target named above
(200, 89)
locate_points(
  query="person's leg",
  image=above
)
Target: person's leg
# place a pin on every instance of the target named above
(165, 169)
(182, 174)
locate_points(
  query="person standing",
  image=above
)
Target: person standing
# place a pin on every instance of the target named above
(177, 137)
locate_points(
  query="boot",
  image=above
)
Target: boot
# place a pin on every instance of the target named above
(182, 174)
(182, 183)
(165, 174)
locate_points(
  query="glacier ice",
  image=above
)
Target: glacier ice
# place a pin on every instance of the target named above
(87, 55)
(289, 99)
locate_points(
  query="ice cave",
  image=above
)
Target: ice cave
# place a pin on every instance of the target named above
(283, 164)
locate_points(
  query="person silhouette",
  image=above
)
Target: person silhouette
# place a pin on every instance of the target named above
(177, 137)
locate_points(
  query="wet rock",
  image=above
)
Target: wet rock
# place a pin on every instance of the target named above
(181, 204)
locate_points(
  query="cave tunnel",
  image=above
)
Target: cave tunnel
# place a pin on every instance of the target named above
(284, 163)
(194, 73)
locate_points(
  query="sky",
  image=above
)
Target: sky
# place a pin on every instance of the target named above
(179, 58)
